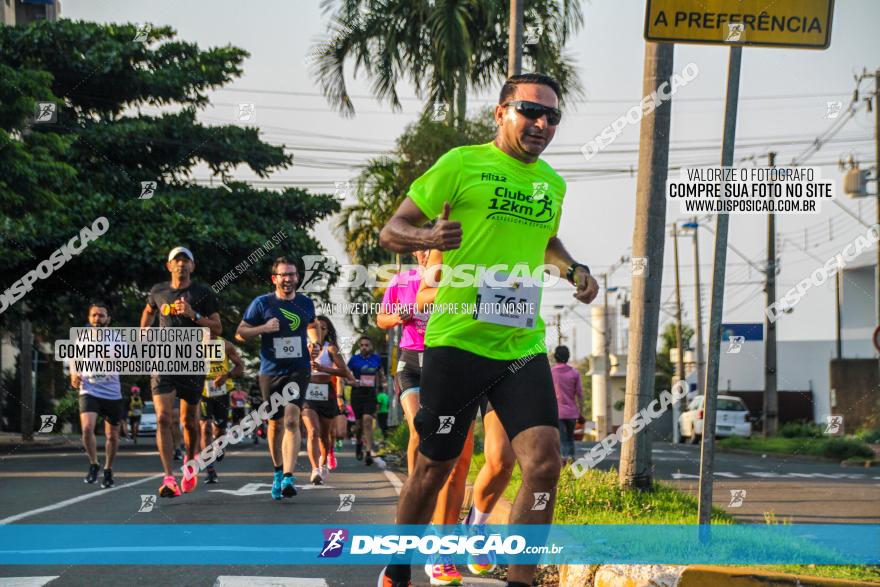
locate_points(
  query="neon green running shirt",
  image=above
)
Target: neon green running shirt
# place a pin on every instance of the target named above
(508, 212)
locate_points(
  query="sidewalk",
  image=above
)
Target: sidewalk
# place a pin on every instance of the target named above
(11, 443)
(688, 576)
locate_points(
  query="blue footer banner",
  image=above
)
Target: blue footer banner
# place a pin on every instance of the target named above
(277, 544)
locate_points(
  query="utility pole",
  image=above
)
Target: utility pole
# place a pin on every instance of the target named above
(606, 358)
(514, 38)
(648, 244)
(877, 174)
(771, 400)
(698, 303)
(707, 448)
(25, 363)
(679, 363)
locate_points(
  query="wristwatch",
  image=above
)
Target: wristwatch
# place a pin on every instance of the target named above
(198, 317)
(569, 275)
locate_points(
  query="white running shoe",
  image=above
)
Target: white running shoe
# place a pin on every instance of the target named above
(316, 478)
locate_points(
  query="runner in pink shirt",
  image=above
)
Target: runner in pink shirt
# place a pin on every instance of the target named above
(569, 394)
(398, 308)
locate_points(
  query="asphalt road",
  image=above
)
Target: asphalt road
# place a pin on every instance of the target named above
(48, 488)
(799, 490)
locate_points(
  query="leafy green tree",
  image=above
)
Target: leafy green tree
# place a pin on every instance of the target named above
(59, 177)
(665, 366)
(444, 47)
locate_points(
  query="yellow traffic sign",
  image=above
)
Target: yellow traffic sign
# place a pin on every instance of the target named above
(804, 24)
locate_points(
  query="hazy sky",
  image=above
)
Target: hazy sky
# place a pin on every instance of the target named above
(784, 95)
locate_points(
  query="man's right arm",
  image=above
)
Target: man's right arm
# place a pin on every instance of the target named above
(147, 316)
(404, 232)
(246, 331)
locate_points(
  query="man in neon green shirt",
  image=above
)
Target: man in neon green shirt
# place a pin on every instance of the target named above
(499, 207)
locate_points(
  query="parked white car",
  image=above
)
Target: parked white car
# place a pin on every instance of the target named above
(731, 419)
(148, 420)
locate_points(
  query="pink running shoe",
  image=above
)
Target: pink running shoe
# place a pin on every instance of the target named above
(189, 484)
(331, 460)
(169, 487)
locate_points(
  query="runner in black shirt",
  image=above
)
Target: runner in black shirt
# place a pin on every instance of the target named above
(179, 303)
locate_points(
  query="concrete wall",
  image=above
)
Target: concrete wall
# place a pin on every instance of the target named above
(856, 384)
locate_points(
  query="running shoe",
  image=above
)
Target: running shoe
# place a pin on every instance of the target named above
(386, 582)
(368, 459)
(108, 479)
(288, 486)
(212, 475)
(443, 573)
(325, 472)
(178, 454)
(169, 487)
(276, 485)
(380, 462)
(482, 564)
(331, 460)
(359, 451)
(92, 475)
(316, 478)
(479, 564)
(188, 484)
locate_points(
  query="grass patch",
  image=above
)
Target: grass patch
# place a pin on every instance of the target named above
(867, 573)
(835, 448)
(596, 498)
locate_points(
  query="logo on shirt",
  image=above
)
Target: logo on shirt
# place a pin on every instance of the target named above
(292, 316)
(535, 208)
(492, 177)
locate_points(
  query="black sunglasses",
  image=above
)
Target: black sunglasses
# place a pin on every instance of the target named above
(534, 111)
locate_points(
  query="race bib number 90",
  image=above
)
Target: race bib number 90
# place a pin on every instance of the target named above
(507, 301)
(289, 347)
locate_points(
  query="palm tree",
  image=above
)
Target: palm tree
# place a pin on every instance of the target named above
(444, 47)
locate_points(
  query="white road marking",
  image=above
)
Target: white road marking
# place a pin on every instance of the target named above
(26, 581)
(73, 500)
(394, 480)
(243, 581)
(257, 489)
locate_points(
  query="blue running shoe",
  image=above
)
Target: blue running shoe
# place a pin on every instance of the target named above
(276, 485)
(288, 487)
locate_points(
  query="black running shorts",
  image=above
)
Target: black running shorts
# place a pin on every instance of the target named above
(188, 387)
(270, 384)
(325, 408)
(409, 372)
(216, 409)
(110, 409)
(364, 402)
(453, 383)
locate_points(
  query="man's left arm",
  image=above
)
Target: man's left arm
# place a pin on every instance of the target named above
(556, 255)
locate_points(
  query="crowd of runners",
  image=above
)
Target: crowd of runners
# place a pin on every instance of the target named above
(453, 366)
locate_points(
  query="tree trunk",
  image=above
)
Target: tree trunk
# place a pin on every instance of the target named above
(461, 102)
(648, 241)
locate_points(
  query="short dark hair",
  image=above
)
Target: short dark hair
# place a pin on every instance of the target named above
(561, 354)
(365, 337)
(509, 87)
(282, 261)
(99, 304)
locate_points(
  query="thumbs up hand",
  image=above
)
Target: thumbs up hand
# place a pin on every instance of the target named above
(446, 234)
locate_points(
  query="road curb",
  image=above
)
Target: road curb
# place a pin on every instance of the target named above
(790, 457)
(688, 576)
